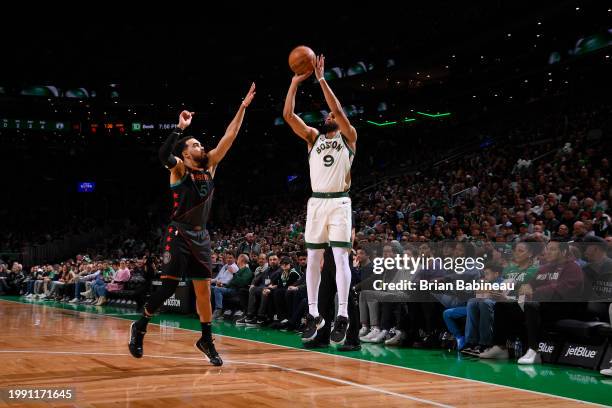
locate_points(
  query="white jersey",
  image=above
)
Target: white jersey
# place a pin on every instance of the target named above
(330, 163)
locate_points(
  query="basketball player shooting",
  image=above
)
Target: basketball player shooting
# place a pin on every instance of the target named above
(328, 217)
(187, 250)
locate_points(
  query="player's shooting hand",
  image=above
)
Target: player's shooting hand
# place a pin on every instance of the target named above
(319, 66)
(297, 78)
(249, 96)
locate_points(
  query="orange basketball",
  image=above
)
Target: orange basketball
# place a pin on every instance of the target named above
(300, 59)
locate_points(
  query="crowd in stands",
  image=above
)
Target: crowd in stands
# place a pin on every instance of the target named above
(82, 280)
(496, 193)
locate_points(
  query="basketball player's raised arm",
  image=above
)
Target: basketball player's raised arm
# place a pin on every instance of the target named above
(295, 122)
(218, 153)
(166, 155)
(344, 125)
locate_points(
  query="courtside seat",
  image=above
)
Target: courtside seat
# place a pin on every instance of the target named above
(605, 330)
(593, 327)
(579, 329)
(237, 301)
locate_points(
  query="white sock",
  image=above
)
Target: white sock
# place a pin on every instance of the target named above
(313, 279)
(343, 279)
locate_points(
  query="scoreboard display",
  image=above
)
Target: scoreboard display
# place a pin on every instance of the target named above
(27, 124)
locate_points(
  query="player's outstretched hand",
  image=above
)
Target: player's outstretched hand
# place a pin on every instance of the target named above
(249, 96)
(185, 119)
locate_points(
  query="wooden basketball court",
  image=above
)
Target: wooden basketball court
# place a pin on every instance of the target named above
(43, 346)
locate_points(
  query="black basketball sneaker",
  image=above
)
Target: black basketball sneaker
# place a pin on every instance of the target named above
(313, 324)
(136, 338)
(208, 348)
(338, 334)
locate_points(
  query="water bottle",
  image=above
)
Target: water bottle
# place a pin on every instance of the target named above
(518, 348)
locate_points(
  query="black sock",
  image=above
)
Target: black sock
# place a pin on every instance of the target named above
(206, 332)
(141, 324)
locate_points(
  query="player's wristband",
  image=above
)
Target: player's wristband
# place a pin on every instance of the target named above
(322, 79)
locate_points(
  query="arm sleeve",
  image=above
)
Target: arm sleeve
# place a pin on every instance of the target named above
(165, 151)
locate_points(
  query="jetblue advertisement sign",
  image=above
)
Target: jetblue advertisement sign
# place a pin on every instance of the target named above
(581, 355)
(549, 351)
(179, 302)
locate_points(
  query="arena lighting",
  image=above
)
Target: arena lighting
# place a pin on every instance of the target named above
(381, 124)
(86, 187)
(437, 115)
(405, 120)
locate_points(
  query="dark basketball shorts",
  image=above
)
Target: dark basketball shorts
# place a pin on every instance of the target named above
(186, 254)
